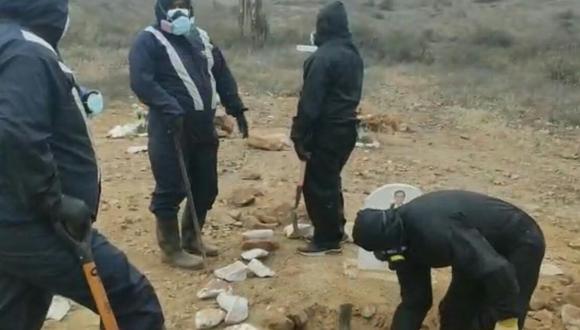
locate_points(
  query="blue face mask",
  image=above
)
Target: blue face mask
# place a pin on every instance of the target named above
(95, 103)
(178, 22)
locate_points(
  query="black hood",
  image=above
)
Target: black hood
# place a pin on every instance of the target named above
(162, 6)
(331, 23)
(46, 18)
(378, 230)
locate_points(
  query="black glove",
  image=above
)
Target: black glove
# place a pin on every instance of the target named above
(243, 125)
(174, 124)
(381, 255)
(74, 215)
(303, 154)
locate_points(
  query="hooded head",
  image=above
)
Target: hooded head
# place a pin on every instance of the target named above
(163, 6)
(331, 23)
(379, 230)
(46, 18)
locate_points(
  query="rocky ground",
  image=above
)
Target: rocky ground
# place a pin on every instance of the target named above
(444, 147)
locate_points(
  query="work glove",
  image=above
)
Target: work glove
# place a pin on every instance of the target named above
(74, 215)
(303, 154)
(174, 124)
(243, 125)
(509, 324)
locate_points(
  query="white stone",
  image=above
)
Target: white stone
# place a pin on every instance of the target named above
(235, 272)
(255, 254)
(209, 318)
(59, 308)
(213, 289)
(304, 231)
(258, 234)
(259, 269)
(243, 326)
(549, 269)
(137, 149)
(236, 307)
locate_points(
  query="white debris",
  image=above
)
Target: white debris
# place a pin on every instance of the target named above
(373, 145)
(209, 318)
(306, 48)
(255, 254)
(137, 149)
(237, 308)
(258, 234)
(235, 272)
(243, 326)
(214, 288)
(304, 231)
(260, 270)
(122, 131)
(59, 308)
(548, 269)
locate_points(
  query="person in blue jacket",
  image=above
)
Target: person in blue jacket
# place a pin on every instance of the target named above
(182, 77)
(48, 177)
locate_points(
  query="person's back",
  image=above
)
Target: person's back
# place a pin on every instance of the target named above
(47, 125)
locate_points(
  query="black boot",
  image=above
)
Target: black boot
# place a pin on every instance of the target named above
(172, 254)
(188, 238)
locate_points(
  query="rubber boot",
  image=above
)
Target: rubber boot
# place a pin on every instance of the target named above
(172, 254)
(188, 239)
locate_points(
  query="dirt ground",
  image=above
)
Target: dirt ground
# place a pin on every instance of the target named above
(448, 147)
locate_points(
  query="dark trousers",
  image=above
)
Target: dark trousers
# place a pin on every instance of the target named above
(465, 306)
(201, 163)
(35, 264)
(331, 148)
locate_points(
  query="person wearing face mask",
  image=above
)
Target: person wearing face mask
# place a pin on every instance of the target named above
(49, 178)
(182, 76)
(494, 249)
(324, 131)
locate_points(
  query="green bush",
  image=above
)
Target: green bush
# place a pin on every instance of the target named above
(490, 37)
(563, 70)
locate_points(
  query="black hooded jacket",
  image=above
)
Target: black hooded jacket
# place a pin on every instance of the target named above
(170, 90)
(333, 77)
(45, 146)
(470, 232)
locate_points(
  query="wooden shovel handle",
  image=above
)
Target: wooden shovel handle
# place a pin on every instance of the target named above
(100, 296)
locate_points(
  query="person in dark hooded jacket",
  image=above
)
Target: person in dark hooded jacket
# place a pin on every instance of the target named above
(324, 130)
(494, 249)
(49, 177)
(182, 76)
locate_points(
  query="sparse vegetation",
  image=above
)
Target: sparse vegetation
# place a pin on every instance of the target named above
(517, 51)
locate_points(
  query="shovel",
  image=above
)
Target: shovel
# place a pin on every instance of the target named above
(83, 251)
(190, 202)
(296, 233)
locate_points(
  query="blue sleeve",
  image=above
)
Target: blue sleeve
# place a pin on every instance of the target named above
(29, 88)
(226, 85)
(142, 71)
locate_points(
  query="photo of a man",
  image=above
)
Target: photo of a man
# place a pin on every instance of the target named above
(399, 198)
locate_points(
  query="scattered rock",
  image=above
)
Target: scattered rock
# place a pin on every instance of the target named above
(368, 311)
(137, 149)
(380, 122)
(237, 308)
(263, 234)
(268, 245)
(235, 272)
(235, 214)
(549, 269)
(540, 300)
(274, 142)
(304, 231)
(213, 289)
(209, 318)
(279, 321)
(259, 269)
(251, 176)
(128, 130)
(252, 222)
(299, 319)
(243, 326)
(575, 244)
(573, 295)
(571, 317)
(544, 317)
(255, 254)
(225, 123)
(244, 197)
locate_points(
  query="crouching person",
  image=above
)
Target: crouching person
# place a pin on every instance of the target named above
(495, 251)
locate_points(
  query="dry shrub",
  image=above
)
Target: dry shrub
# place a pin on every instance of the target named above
(490, 37)
(563, 70)
(388, 5)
